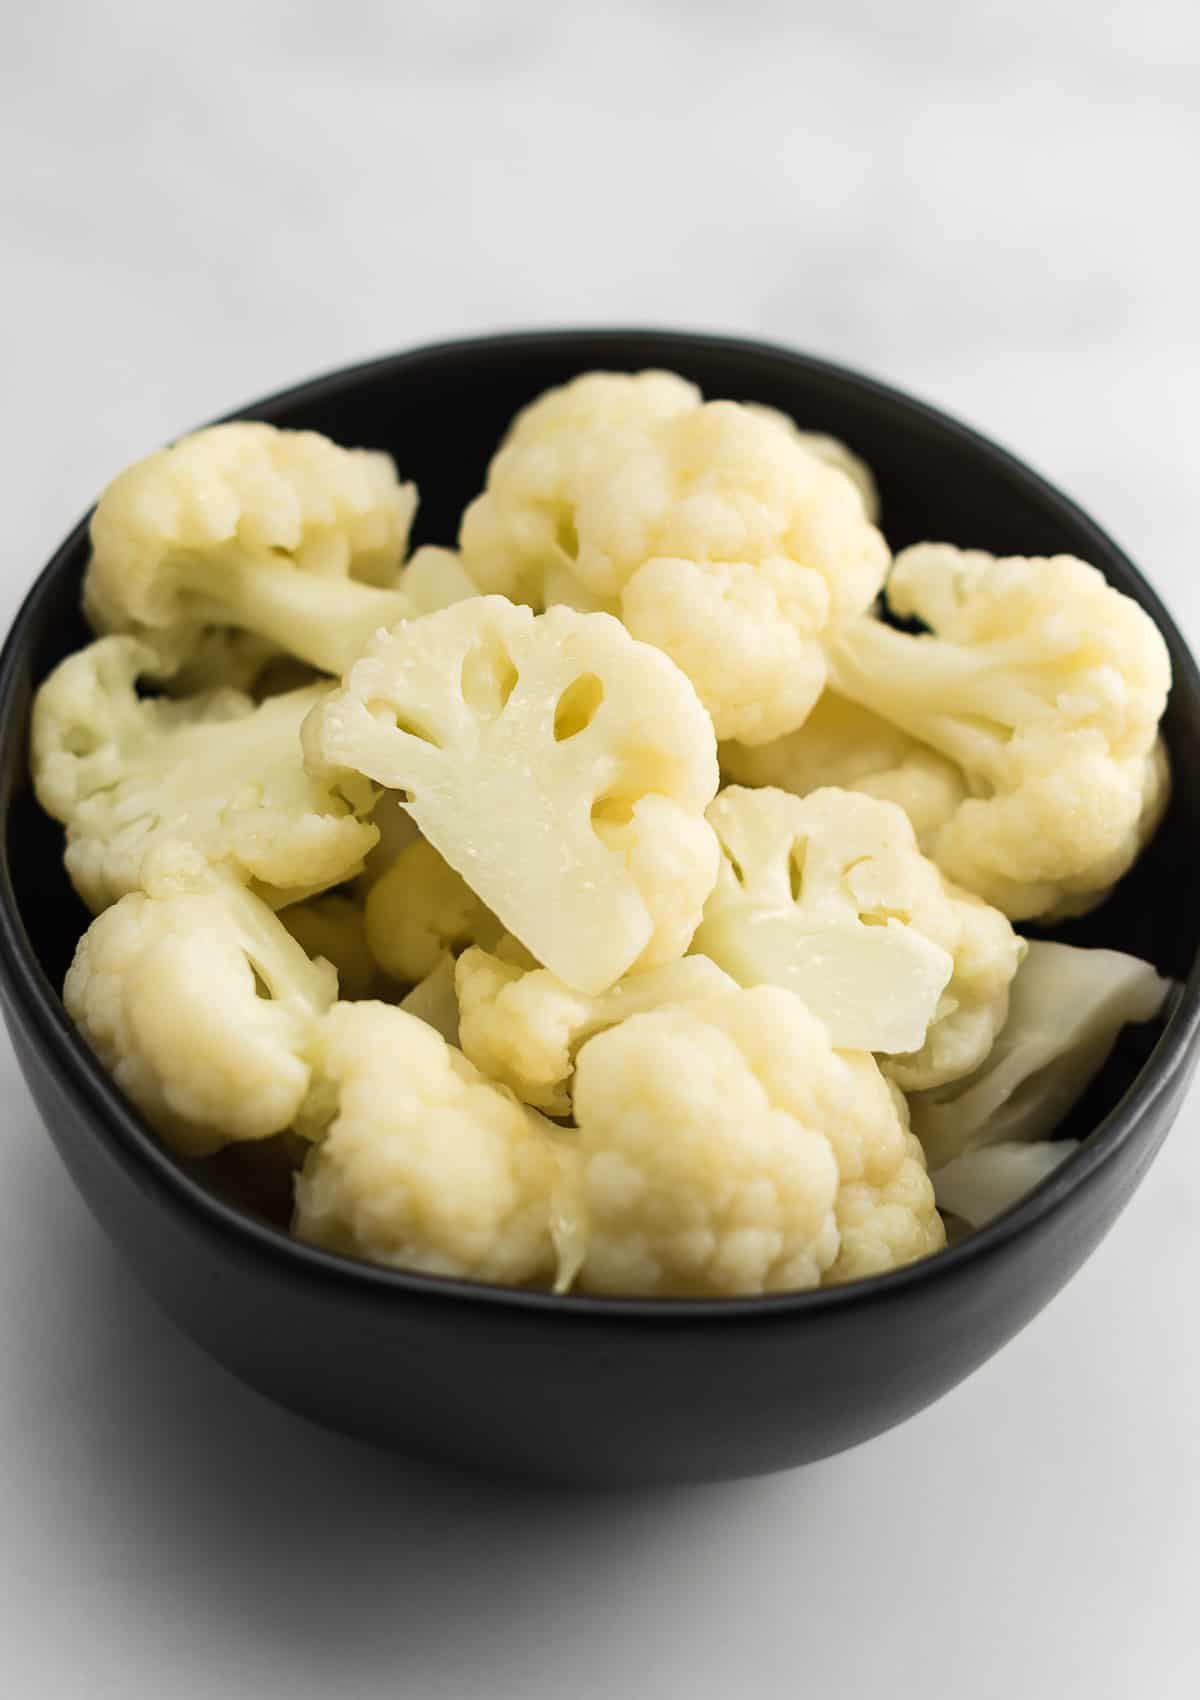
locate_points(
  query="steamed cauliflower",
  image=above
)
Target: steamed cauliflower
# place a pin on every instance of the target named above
(278, 533)
(1045, 687)
(561, 768)
(127, 774)
(420, 910)
(829, 895)
(846, 746)
(333, 926)
(423, 1164)
(726, 1148)
(523, 1026)
(202, 1007)
(719, 536)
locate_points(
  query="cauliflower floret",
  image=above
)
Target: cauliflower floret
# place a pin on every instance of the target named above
(558, 765)
(727, 543)
(847, 746)
(434, 1000)
(717, 1140)
(828, 894)
(420, 910)
(333, 926)
(832, 451)
(523, 1026)
(1045, 686)
(981, 1185)
(280, 533)
(742, 633)
(1066, 1008)
(202, 1007)
(425, 1165)
(126, 773)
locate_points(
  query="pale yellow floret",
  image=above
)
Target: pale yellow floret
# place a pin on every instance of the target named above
(424, 1165)
(560, 767)
(202, 1007)
(420, 910)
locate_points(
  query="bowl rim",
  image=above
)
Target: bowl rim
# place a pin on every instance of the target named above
(108, 1112)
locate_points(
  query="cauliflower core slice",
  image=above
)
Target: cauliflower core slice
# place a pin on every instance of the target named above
(420, 911)
(523, 1027)
(846, 746)
(1066, 1009)
(818, 894)
(202, 1007)
(982, 1184)
(126, 774)
(424, 1164)
(1044, 686)
(279, 533)
(725, 1143)
(558, 765)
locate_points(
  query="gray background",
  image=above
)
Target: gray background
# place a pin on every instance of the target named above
(994, 205)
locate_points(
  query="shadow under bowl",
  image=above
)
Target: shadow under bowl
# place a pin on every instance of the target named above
(575, 1389)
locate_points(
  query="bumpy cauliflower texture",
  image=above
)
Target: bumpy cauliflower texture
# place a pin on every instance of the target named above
(424, 1164)
(723, 540)
(523, 1026)
(202, 1007)
(278, 533)
(847, 746)
(724, 1142)
(559, 766)
(1045, 687)
(127, 774)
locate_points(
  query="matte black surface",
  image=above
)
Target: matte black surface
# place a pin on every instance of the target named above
(576, 1389)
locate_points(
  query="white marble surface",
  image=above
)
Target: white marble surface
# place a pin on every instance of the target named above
(991, 204)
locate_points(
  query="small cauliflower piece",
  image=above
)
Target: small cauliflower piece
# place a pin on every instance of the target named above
(725, 542)
(744, 634)
(282, 534)
(523, 1027)
(126, 773)
(723, 1142)
(424, 1164)
(333, 926)
(434, 1000)
(846, 746)
(420, 911)
(436, 578)
(980, 1185)
(828, 894)
(202, 1007)
(1066, 1008)
(1045, 687)
(560, 767)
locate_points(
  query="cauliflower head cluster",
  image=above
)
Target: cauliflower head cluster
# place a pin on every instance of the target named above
(619, 901)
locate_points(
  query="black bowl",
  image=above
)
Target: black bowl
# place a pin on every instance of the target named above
(574, 1389)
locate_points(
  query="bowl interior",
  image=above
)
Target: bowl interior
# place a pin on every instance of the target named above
(440, 413)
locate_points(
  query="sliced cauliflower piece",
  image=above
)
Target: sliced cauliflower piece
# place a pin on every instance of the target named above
(558, 765)
(828, 894)
(725, 541)
(847, 746)
(1066, 1009)
(420, 911)
(424, 1164)
(717, 1140)
(279, 533)
(434, 1000)
(126, 773)
(1045, 687)
(982, 1184)
(333, 926)
(743, 633)
(523, 1026)
(202, 1007)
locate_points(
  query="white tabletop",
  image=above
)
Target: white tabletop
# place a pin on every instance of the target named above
(992, 206)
